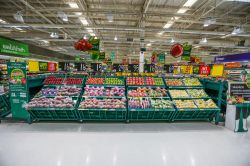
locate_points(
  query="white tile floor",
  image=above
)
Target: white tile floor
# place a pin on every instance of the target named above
(135, 144)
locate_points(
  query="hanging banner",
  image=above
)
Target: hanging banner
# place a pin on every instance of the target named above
(77, 58)
(95, 44)
(204, 70)
(196, 69)
(96, 66)
(64, 66)
(33, 66)
(18, 89)
(161, 58)
(112, 56)
(154, 58)
(13, 47)
(186, 52)
(217, 70)
(233, 58)
(169, 68)
(149, 68)
(133, 68)
(52, 66)
(43, 66)
(101, 56)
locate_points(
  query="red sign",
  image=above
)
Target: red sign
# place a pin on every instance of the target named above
(52, 66)
(176, 50)
(233, 65)
(204, 70)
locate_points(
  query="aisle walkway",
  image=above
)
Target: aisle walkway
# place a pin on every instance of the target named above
(157, 144)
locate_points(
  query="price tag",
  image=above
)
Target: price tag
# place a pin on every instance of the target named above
(196, 70)
(169, 68)
(96, 66)
(204, 70)
(80, 66)
(33, 66)
(217, 70)
(133, 68)
(43, 66)
(150, 68)
(118, 67)
(64, 66)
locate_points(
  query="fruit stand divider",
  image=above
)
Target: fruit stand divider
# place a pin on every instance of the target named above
(186, 114)
(150, 114)
(98, 114)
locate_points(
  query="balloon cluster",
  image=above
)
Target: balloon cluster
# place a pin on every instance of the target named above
(82, 45)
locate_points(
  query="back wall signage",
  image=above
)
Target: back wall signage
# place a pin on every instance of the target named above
(13, 47)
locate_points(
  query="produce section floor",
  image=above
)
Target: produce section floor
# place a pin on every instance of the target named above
(117, 144)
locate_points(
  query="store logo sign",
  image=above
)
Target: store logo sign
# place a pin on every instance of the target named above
(13, 47)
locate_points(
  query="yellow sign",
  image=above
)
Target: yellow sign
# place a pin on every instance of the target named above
(187, 69)
(33, 66)
(217, 70)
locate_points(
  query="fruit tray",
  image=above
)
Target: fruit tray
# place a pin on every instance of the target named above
(147, 92)
(105, 81)
(197, 94)
(174, 83)
(145, 81)
(104, 92)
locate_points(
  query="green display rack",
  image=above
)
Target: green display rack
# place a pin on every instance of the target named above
(4, 105)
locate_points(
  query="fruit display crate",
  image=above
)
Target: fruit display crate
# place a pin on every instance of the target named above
(177, 83)
(63, 80)
(4, 105)
(145, 81)
(108, 81)
(188, 94)
(147, 92)
(51, 114)
(187, 114)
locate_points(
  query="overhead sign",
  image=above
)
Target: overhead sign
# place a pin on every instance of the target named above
(95, 44)
(80, 66)
(118, 67)
(233, 58)
(52, 66)
(196, 69)
(176, 50)
(217, 70)
(102, 56)
(64, 66)
(149, 68)
(169, 68)
(43, 66)
(187, 69)
(204, 70)
(133, 68)
(33, 66)
(13, 47)
(96, 66)
(161, 58)
(187, 48)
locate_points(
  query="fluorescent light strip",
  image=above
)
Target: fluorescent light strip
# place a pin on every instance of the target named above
(168, 25)
(84, 21)
(182, 10)
(89, 30)
(189, 3)
(73, 5)
(92, 34)
(78, 13)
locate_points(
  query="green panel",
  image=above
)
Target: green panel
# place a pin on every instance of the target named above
(13, 47)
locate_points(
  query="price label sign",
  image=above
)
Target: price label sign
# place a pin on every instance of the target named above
(96, 66)
(187, 69)
(196, 70)
(64, 66)
(169, 68)
(217, 70)
(240, 90)
(204, 70)
(33, 66)
(43, 66)
(133, 68)
(52, 66)
(149, 68)
(80, 66)
(118, 67)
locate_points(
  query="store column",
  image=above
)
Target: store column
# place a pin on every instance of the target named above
(141, 62)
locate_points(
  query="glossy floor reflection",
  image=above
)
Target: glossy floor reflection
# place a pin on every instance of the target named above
(117, 144)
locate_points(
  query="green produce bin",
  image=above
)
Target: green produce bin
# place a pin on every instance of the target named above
(151, 114)
(97, 114)
(4, 105)
(53, 114)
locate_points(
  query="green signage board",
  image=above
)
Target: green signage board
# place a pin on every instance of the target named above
(186, 52)
(77, 58)
(18, 89)
(95, 44)
(13, 47)
(102, 56)
(161, 58)
(43, 66)
(196, 69)
(112, 56)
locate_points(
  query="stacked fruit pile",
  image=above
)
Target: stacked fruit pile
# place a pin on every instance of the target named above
(197, 93)
(93, 80)
(135, 81)
(53, 80)
(74, 81)
(139, 103)
(178, 94)
(48, 92)
(184, 104)
(147, 92)
(101, 91)
(69, 91)
(57, 102)
(103, 103)
(142, 103)
(160, 103)
(205, 104)
(174, 82)
(113, 81)
(191, 82)
(154, 81)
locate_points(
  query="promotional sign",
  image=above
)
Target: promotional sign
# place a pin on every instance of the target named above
(18, 89)
(187, 69)
(43, 66)
(196, 70)
(52, 66)
(64, 66)
(95, 44)
(133, 68)
(96, 66)
(112, 55)
(204, 70)
(186, 52)
(13, 47)
(169, 68)
(149, 68)
(239, 92)
(176, 50)
(217, 70)
(80, 66)
(102, 56)
(118, 67)
(233, 58)
(33, 66)
(161, 58)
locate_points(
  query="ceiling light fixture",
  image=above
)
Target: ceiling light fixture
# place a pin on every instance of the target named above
(110, 17)
(83, 21)
(85, 37)
(204, 40)
(168, 24)
(18, 16)
(73, 5)
(115, 38)
(182, 10)
(3, 22)
(54, 35)
(160, 33)
(78, 13)
(89, 30)
(209, 22)
(149, 44)
(63, 16)
(237, 30)
(19, 29)
(92, 34)
(189, 3)
(172, 40)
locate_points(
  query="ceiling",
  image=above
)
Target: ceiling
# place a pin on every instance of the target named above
(135, 23)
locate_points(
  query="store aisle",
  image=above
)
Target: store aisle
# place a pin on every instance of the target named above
(140, 144)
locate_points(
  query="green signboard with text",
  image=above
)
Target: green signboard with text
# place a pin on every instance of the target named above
(13, 47)
(18, 89)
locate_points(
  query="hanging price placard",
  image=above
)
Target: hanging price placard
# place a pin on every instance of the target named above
(204, 70)
(187, 69)
(64, 66)
(118, 67)
(169, 68)
(96, 66)
(52, 66)
(149, 68)
(133, 68)
(196, 70)
(217, 70)
(43, 66)
(80, 66)
(33, 65)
